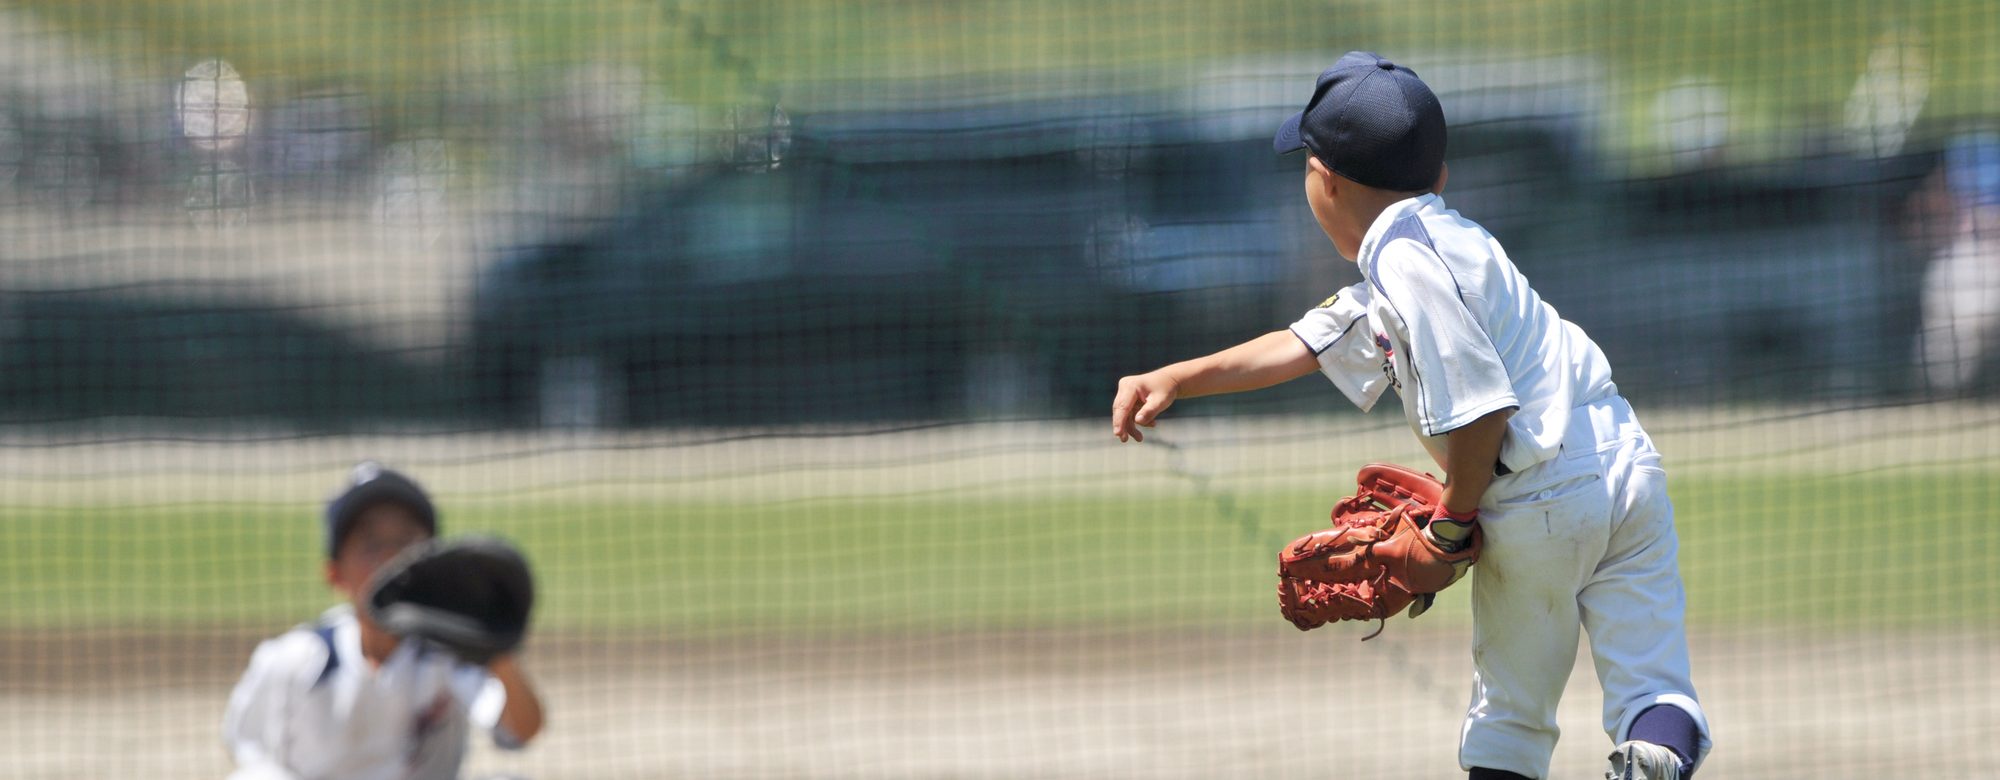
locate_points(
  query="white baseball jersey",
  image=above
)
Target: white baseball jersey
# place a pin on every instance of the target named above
(1443, 316)
(1961, 304)
(311, 706)
(1579, 530)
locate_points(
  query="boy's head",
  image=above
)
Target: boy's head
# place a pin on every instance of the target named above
(1375, 134)
(377, 514)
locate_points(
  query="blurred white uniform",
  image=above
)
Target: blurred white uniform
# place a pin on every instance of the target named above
(1962, 304)
(1961, 298)
(310, 706)
(1579, 532)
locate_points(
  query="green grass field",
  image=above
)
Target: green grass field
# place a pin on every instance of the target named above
(1831, 553)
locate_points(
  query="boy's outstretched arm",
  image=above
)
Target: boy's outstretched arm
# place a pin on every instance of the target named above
(1270, 359)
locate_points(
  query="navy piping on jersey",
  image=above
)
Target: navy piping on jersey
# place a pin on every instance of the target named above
(1343, 333)
(325, 634)
(1317, 351)
(1409, 226)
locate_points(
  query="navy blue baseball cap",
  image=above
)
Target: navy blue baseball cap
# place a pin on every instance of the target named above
(369, 484)
(1372, 121)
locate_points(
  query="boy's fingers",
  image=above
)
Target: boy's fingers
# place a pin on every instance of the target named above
(1152, 409)
(1121, 411)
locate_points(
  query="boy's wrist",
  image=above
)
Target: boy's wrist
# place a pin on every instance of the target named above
(1447, 513)
(1461, 497)
(503, 666)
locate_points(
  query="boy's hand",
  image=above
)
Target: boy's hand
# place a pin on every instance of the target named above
(1261, 362)
(1139, 403)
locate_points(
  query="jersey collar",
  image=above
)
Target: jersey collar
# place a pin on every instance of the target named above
(1429, 202)
(344, 641)
(347, 643)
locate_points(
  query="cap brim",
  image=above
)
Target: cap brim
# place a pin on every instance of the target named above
(1288, 140)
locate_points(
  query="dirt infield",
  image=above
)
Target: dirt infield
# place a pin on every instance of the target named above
(1256, 701)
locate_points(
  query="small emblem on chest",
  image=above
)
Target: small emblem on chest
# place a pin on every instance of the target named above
(1388, 361)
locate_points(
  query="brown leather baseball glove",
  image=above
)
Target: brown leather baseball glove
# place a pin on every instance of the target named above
(1376, 561)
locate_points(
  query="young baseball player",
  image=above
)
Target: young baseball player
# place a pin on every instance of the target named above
(1517, 407)
(341, 698)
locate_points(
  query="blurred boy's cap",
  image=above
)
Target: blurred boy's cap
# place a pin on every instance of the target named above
(1972, 167)
(1372, 121)
(371, 483)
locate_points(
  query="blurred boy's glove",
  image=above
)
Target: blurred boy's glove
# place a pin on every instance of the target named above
(470, 595)
(1376, 561)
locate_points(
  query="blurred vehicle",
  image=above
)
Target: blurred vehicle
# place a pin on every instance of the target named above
(887, 268)
(1778, 282)
(74, 355)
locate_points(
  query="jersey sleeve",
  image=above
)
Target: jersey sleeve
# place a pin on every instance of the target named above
(1455, 371)
(253, 726)
(485, 698)
(1337, 333)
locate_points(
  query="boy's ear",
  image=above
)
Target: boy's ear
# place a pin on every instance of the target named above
(1324, 173)
(332, 575)
(1444, 175)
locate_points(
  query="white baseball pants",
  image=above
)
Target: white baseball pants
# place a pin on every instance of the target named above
(1582, 541)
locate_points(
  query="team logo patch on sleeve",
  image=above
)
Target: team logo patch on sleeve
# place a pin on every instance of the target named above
(1329, 301)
